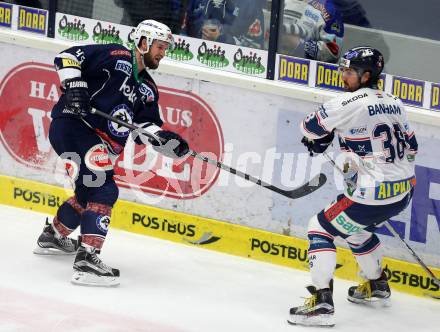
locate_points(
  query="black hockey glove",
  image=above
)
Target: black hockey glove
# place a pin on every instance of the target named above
(77, 96)
(318, 145)
(170, 145)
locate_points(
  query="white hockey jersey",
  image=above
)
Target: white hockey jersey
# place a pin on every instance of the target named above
(376, 139)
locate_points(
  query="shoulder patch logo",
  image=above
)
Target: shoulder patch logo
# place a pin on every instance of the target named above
(124, 66)
(147, 93)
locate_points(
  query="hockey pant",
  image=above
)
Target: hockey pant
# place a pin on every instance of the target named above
(355, 223)
(89, 166)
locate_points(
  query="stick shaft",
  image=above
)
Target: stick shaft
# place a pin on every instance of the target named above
(195, 154)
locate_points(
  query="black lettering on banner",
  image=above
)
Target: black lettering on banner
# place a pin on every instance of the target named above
(164, 225)
(37, 197)
(276, 249)
(410, 279)
(217, 51)
(247, 59)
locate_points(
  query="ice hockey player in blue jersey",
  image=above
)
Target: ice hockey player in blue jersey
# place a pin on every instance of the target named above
(378, 148)
(113, 80)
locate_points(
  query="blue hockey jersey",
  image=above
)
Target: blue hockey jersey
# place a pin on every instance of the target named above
(115, 87)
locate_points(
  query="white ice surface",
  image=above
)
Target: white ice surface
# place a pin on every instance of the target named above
(168, 287)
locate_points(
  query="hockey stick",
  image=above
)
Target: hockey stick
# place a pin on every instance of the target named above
(395, 234)
(307, 188)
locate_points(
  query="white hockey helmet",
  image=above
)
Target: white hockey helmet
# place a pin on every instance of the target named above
(152, 30)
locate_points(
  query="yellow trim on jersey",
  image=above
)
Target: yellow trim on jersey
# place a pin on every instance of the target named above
(70, 63)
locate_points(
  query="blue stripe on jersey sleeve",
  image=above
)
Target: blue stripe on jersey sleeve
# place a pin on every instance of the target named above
(312, 125)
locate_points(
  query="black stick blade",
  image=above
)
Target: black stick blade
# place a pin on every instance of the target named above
(307, 188)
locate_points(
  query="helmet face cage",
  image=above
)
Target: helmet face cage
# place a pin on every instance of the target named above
(152, 30)
(363, 59)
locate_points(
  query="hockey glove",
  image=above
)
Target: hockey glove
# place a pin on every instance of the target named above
(318, 145)
(311, 49)
(170, 144)
(77, 96)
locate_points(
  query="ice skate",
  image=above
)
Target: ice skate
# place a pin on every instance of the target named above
(51, 243)
(318, 310)
(89, 270)
(371, 292)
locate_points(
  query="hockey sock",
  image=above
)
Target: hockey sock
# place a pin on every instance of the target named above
(322, 254)
(68, 217)
(95, 221)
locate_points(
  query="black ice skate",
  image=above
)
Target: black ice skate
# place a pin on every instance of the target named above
(89, 270)
(51, 243)
(372, 291)
(317, 310)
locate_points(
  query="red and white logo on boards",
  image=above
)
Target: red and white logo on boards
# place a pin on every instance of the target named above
(28, 93)
(191, 117)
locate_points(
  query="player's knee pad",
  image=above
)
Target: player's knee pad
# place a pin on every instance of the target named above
(319, 238)
(369, 256)
(363, 243)
(107, 194)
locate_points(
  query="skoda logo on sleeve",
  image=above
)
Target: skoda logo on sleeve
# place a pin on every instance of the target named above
(124, 113)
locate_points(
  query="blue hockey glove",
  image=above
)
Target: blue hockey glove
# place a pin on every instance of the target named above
(77, 96)
(318, 145)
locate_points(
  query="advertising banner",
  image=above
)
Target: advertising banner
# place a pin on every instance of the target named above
(24, 18)
(326, 76)
(254, 132)
(32, 20)
(215, 235)
(188, 50)
(5, 15)
(183, 112)
(435, 94)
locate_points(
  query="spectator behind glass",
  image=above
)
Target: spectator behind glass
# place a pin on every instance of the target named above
(169, 12)
(238, 22)
(352, 12)
(312, 29)
(27, 3)
(83, 8)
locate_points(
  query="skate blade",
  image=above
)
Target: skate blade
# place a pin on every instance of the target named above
(317, 321)
(52, 252)
(373, 302)
(88, 279)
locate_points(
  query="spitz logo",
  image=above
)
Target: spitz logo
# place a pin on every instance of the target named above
(358, 131)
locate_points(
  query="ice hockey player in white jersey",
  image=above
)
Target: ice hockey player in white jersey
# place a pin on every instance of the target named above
(379, 148)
